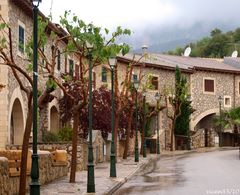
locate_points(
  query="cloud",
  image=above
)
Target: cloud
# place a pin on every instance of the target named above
(154, 20)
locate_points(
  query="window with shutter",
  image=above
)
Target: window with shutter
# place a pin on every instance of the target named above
(209, 85)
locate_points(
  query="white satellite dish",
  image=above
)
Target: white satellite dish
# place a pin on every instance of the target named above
(234, 54)
(187, 51)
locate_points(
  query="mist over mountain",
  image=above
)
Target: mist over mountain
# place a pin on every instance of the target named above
(168, 38)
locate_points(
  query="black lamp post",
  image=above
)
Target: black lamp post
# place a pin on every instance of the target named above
(188, 131)
(136, 85)
(220, 99)
(35, 186)
(112, 62)
(157, 97)
(144, 126)
(90, 179)
(144, 53)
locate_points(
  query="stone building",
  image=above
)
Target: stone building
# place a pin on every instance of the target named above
(18, 15)
(207, 80)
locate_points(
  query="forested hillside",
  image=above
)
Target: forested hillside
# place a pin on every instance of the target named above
(218, 44)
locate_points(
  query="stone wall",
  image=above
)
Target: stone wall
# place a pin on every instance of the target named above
(82, 151)
(47, 173)
(198, 139)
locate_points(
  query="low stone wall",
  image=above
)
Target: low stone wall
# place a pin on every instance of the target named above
(82, 151)
(47, 173)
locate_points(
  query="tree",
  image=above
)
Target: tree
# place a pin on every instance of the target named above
(218, 44)
(182, 121)
(79, 34)
(175, 97)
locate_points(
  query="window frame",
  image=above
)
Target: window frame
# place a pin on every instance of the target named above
(21, 25)
(71, 67)
(58, 60)
(104, 74)
(230, 101)
(214, 86)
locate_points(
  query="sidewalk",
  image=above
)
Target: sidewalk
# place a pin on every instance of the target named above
(103, 183)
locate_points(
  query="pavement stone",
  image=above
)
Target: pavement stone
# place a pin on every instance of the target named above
(103, 183)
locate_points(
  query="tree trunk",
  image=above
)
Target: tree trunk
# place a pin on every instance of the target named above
(142, 140)
(125, 154)
(25, 145)
(74, 147)
(172, 136)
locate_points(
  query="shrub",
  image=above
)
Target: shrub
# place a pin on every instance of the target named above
(65, 134)
(49, 136)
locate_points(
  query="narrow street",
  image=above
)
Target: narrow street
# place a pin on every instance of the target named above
(191, 174)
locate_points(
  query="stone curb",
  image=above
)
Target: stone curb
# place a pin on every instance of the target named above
(115, 187)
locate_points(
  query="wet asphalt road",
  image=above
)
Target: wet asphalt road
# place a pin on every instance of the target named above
(191, 174)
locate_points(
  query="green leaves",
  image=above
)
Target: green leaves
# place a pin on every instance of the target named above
(51, 85)
(2, 26)
(103, 45)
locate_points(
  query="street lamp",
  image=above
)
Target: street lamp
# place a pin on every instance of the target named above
(90, 179)
(136, 85)
(35, 186)
(144, 125)
(112, 62)
(220, 99)
(157, 97)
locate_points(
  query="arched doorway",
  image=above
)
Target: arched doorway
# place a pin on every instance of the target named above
(205, 131)
(54, 119)
(17, 123)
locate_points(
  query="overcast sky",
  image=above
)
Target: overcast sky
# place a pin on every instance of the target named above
(146, 16)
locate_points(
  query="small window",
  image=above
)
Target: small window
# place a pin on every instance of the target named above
(227, 101)
(154, 83)
(104, 74)
(59, 60)
(71, 68)
(209, 85)
(21, 38)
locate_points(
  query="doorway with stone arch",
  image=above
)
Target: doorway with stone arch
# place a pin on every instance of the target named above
(54, 119)
(16, 123)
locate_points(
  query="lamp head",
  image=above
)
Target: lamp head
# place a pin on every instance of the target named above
(36, 2)
(188, 98)
(220, 99)
(136, 84)
(157, 96)
(89, 46)
(144, 93)
(144, 49)
(112, 62)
